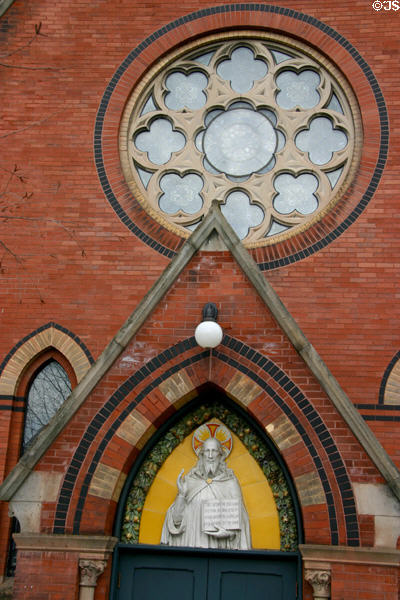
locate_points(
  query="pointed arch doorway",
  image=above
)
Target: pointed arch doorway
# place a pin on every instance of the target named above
(144, 569)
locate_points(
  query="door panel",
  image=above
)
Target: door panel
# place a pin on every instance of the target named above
(168, 577)
(254, 586)
(251, 579)
(186, 576)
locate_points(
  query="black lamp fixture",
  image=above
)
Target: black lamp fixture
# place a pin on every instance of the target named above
(208, 333)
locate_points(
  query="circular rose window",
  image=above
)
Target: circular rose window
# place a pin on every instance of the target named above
(265, 126)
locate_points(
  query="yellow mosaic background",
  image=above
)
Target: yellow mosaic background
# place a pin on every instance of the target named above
(257, 494)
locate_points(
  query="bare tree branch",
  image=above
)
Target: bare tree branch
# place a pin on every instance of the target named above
(23, 47)
(33, 124)
(38, 27)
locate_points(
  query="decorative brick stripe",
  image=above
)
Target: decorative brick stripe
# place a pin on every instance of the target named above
(136, 429)
(310, 489)
(107, 482)
(243, 389)
(177, 387)
(284, 434)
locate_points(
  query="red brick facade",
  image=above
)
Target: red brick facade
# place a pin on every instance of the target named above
(72, 264)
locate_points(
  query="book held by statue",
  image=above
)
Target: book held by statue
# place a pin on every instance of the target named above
(221, 514)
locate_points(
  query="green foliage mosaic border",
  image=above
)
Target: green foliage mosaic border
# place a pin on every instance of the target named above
(176, 434)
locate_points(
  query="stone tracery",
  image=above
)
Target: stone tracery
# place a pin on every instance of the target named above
(238, 115)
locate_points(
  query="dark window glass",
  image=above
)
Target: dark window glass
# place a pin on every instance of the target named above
(48, 390)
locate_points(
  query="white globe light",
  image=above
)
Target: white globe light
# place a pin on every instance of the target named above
(208, 334)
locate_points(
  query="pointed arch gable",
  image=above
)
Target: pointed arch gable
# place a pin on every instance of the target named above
(120, 429)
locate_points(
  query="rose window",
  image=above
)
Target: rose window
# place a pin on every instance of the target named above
(267, 129)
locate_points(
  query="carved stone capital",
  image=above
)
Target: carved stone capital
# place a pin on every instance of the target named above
(90, 571)
(320, 580)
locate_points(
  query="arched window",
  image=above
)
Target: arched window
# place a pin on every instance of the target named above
(45, 384)
(47, 390)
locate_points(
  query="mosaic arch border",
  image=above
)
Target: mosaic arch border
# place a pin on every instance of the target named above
(175, 431)
(50, 335)
(70, 506)
(222, 18)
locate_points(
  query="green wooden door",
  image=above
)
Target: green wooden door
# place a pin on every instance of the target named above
(197, 575)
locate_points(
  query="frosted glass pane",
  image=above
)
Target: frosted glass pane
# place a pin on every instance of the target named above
(242, 70)
(297, 89)
(145, 176)
(269, 114)
(186, 90)
(181, 193)
(241, 214)
(334, 104)
(276, 228)
(268, 167)
(149, 106)
(296, 193)
(321, 140)
(198, 141)
(212, 115)
(334, 176)
(193, 226)
(239, 142)
(160, 142)
(281, 140)
(204, 59)
(280, 56)
(238, 179)
(241, 104)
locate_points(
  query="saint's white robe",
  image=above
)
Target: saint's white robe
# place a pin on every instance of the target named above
(190, 531)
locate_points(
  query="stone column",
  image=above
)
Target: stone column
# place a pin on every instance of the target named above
(320, 580)
(90, 570)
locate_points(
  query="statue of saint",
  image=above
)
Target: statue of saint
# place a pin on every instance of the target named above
(208, 511)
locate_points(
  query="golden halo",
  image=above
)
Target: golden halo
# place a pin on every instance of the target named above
(212, 429)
